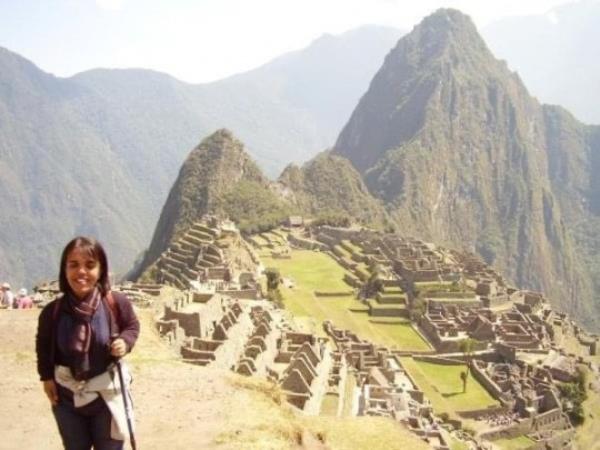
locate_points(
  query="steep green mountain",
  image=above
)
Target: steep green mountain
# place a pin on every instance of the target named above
(328, 185)
(218, 177)
(96, 153)
(58, 176)
(461, 154)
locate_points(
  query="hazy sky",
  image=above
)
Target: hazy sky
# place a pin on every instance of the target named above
(203, 40)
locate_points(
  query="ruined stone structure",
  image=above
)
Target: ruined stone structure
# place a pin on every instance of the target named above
(386, 389)
(446, 325)
(532, 400)
(210, 253)
(223, 322)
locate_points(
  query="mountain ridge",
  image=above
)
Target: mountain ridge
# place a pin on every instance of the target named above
(458, 153)
(135, 126)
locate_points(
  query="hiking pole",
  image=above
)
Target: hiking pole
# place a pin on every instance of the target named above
(125, 403)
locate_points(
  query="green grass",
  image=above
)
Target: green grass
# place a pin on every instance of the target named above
(315, 271)
(443, 386)
(520, 442)
(348, 395)
(341, 252)
(588, 434)
(329, 405)
(275, 238)
(365, 432)
(260, 240)
(351, 247)
(458, 445)
(428, 286)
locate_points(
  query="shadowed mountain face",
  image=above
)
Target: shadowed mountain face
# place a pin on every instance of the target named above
(96, 153)
(461, 154)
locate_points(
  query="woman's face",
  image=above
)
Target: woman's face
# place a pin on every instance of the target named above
(82, 271)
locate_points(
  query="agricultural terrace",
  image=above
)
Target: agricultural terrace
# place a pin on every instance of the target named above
(313, 272)
(443, 386)
(517, 443)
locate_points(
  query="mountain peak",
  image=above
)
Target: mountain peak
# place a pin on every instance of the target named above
(220, 144)
(451, 141)
(210, 172)
(449, 18)
(446, 32)
(441, 53)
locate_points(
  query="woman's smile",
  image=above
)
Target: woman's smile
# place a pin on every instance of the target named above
(82, 271)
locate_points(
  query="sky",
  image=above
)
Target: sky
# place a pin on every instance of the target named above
(204, 40)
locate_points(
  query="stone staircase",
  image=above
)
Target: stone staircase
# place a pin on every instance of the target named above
(186, 259)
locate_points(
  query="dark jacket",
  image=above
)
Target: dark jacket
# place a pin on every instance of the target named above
(46, 345)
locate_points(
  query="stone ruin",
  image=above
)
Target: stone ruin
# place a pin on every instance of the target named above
(385, 388)
(531, 401)
(216, 326)
(252, 338)
(447, 325)
(210, 256)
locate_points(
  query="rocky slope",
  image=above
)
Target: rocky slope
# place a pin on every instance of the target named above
(461, 154)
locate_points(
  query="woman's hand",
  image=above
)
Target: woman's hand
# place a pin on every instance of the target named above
(118, 348)
(51, 391)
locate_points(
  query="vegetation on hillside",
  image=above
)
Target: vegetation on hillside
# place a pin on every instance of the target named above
(254, 207)
(329, 188)
(574, 394)
(460, 154)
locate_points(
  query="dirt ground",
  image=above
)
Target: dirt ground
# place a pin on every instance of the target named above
(177, 406)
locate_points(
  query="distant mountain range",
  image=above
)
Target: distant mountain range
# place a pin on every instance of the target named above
(554, 55)
(446, 145)
(97, 152)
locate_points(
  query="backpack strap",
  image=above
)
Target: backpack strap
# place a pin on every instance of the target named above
(114, 314)
(55, 312)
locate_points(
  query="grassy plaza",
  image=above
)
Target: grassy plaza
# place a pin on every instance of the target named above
(313, 272)
(443, 386)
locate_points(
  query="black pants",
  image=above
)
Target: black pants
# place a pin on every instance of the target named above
(82, 430)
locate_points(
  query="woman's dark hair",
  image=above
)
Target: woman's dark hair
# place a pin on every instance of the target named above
(96, 251)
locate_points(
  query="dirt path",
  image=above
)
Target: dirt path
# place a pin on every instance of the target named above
(177, 405)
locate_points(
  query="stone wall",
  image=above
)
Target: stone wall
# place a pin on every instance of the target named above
(249, 294)
(475, 413)
(306, 244)
(508, 432)
(190, 322)
(439, 360)
(487, 383)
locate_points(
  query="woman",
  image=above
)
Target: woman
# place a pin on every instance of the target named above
(80, 335)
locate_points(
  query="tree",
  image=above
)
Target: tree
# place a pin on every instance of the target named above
(273, 278)
(374, 284)
(467, 346)
(418, 309)
(573, 395)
